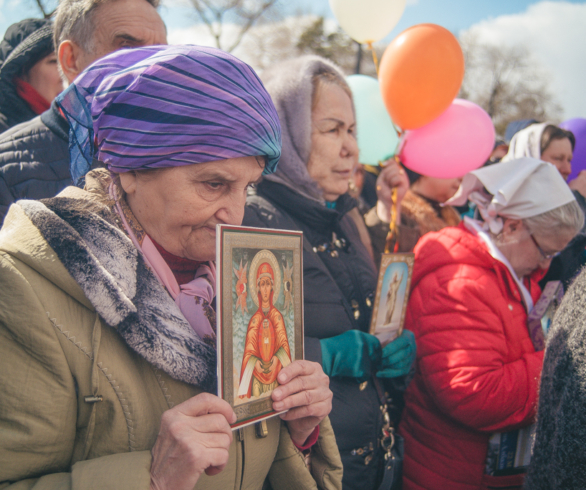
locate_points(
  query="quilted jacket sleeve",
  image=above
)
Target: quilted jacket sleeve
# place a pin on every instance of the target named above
(38, 405)
(474, 353)
(6, 198)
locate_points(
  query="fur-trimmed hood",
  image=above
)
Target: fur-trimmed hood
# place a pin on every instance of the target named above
(117, 282)
(427, 216)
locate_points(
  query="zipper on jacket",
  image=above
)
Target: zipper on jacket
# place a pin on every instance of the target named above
(240, 440)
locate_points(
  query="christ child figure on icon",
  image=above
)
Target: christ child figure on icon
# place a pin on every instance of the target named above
(266, 350)
(392, 296)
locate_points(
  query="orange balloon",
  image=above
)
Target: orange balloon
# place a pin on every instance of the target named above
(420, 74)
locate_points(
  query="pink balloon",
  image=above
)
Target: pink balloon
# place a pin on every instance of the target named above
(457, 142)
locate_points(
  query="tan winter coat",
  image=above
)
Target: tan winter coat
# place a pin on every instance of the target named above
(58, 355)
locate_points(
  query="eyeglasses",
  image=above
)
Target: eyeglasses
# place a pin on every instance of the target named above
(543, 254)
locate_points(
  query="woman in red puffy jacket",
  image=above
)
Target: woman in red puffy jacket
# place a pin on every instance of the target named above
(477, 370)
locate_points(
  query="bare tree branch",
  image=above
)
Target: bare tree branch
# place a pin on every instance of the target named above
(241, 13)
(41, 8)
(507, 82)
(336, 46)
(45, 11)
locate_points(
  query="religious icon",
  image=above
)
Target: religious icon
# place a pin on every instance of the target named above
(266, 348)
(392, 296)
(260, 315)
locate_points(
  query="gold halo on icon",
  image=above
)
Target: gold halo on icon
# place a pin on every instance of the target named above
(260, 258)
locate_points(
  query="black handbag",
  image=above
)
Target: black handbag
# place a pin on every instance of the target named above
(392, 445)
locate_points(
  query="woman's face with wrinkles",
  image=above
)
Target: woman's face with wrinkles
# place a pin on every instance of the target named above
(179, 207)
(334, 150)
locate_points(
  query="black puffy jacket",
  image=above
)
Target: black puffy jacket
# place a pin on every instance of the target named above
(34, 159)
(337, 294)
(24, 44)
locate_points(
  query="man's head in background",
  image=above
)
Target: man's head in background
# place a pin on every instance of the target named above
(86, 30)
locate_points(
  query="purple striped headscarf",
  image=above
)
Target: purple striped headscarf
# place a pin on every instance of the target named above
(168, 106)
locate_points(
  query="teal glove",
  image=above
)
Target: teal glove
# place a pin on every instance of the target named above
(353, 354)
(398, 356)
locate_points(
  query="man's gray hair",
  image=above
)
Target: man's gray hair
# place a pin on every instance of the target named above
(566, 217)
(74, 22)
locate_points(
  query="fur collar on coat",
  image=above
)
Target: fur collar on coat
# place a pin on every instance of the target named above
(124, 291)
(422, 211)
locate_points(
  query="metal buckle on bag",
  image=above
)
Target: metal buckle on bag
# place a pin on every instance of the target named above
(386, 418)
(388, 442)
(388, 437)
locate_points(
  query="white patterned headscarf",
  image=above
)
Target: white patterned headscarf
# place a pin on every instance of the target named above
(526, 143)
(517, 189)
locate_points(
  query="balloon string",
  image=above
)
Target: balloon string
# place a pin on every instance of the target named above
(397, 130)
(375, 61)
(374, 57)
(393, 225)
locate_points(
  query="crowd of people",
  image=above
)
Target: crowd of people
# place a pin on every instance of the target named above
(117, 164)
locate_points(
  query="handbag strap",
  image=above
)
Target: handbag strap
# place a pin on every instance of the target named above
(389, 474)
(387, 440)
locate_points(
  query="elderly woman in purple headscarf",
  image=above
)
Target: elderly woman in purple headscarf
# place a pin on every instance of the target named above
(107, 314)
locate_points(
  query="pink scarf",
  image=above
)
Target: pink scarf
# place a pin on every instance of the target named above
(194, 299)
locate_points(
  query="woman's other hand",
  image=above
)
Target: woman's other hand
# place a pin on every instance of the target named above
(353, 354)
(398, 356)
(194, 437)
(305, 391)
(392, 176)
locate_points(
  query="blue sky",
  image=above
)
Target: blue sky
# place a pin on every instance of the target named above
(552, 29)
(456, 15)
(452, 14)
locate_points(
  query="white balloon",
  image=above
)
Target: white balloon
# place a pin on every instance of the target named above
(368, 20)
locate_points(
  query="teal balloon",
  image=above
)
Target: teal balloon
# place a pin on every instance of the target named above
(377, 138)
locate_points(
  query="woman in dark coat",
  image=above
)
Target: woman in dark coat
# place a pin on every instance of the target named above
(29, 78)
(559, 453)
(309, 193)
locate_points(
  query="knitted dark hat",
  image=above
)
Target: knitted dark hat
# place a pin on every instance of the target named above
(24, 44)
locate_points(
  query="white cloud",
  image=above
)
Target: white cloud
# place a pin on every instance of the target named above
(554, 33)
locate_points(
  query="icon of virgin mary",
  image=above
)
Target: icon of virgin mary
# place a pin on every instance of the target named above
(266, 349)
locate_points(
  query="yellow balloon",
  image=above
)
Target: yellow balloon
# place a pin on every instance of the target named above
(368, 21)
